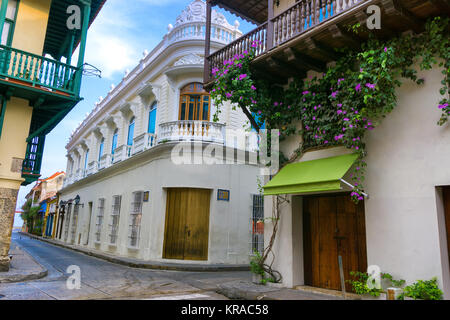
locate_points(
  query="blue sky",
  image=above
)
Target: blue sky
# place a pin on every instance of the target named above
(116, 42)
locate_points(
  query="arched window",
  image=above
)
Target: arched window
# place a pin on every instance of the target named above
(131, 132)
(152, 118)
(100, 150)
(194, 103)
(114, 141)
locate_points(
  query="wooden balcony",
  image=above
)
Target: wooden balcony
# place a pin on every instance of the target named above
(34, 75)
(305, 36)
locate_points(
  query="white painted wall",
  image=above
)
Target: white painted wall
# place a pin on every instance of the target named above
(154, 171)
(408, 157)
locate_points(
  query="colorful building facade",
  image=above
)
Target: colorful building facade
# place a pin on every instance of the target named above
(39, 86)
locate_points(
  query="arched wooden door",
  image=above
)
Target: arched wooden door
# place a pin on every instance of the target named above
(187, 224)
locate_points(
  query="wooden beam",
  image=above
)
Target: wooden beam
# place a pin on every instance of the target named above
(322, 49)
(393, 7)
(207, 67)
(287, 68)
(338, 33)
(441, 5)
(303, 60)
(270, 26)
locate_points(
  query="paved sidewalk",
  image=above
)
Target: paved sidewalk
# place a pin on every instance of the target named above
(243, 290)
(23, 267)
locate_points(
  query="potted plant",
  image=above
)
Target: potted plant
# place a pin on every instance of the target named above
(422, 290)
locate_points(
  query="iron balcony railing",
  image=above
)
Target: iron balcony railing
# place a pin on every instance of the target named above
(39, 72)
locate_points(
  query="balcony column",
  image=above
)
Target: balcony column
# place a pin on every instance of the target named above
(207, 68)
(84, 30)
(270, 29)
(3, 9)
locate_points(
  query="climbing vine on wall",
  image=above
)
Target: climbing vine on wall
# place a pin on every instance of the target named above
(341, 105)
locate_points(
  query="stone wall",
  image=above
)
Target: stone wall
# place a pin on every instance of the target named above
(8, 199)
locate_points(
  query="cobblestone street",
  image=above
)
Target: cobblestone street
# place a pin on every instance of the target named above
(104, 280)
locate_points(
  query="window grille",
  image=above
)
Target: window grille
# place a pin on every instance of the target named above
(257, 224)
(66, 227)
(135, 219)
(99, 224)
(115, 215)
(74, 223)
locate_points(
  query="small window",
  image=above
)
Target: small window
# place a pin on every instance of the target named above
(152, 118)
(135, 219)
(99, 224)
(131, 131)
(115, 216)
(10, 21)
(114, 141)
(101, 148)
(86, 159)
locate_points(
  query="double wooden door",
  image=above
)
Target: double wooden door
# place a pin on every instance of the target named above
(333, 226)
(187, 224)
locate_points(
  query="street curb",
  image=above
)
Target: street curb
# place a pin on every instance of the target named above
(144, 265)
(28, 277)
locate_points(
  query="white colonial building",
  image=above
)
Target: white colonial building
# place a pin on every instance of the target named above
(126, 193)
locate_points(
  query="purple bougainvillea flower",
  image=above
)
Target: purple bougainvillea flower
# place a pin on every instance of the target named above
(346, 119)
(370, 85)
(228, 95)
(339, 111)
(314, 118)
(358, 87)
(305, 92)
(339, 105)
(275, 104)
(259, 112)
(242, 76)
(253, 88)
(340, 80)
(289, 107)
(334, 94)
(385, 49)
(443, 106)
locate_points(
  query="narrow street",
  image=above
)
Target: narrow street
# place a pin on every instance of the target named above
(104, 280)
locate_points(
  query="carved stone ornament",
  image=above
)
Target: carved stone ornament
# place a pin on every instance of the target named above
(196, 12)
(189, 60)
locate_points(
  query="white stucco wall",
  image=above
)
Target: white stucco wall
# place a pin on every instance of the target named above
(407, 157)
(153, 170)
(407, 162)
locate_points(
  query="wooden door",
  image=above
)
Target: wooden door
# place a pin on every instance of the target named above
(187, 224)
(333, 226)
(446, 194)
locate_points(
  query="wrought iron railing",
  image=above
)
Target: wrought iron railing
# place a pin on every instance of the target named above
(39, 72)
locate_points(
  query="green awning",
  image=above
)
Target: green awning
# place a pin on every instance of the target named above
(322, 175)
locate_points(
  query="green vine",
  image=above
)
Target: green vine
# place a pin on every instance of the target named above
(349, 99)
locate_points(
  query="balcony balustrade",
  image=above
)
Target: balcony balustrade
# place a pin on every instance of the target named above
(92, 168)
(298, 19)
(31, 70)
(188, 130)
